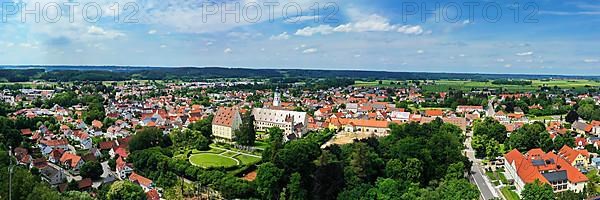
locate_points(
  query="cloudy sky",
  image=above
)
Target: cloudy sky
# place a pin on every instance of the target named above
(545, 37)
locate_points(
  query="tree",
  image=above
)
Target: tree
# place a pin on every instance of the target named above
(410, 170)
(204, 126)
(125, 190)
(491, 128)
(529, 136)
(537, 191)
(246, 135)
(147, 138)
(572, 116)
(268, 180)
(485, 147)
(92, 170)
(457, 189)
(275, 143)
(294, 188)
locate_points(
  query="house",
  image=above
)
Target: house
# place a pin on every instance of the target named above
(400, 116)
(581, 127)
(548, 168)
(144, 182)
(577, 158)
(225, 122)
(71, 161)
(469, 109)
(53, 175)
(118, 151)
(152, 195)
(84, 184)
(434, 113)
(361, 126)
(46, 146)
(123, 168)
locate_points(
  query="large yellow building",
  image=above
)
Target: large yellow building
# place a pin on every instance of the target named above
(225, 122)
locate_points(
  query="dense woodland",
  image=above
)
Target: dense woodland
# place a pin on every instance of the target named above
(114, 73)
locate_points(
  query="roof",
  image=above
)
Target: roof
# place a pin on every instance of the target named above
(84, 183)
(55, 142)
(136, 178)
(26, 131)
(107, 145)
(570, 154)
(364, 123)
(532, 166)
(72, 158)
(152, 195)
(434, 112)
(225, 116)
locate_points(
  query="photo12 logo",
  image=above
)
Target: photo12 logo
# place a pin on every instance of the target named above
(454, 12)
(53, 12)
(253, 12)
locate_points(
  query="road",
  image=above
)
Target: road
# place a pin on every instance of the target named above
(477, 175)
(490, 108)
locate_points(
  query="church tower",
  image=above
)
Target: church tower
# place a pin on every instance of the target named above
(276, 99)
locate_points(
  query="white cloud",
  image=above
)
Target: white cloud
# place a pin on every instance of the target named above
(372, 23)
(310, 50)
(282, 36)
(209, 43)
(508, 65)
(591, 60)
(152, 32)
(529, 53)
(163, 46)
(228, 51)
(411, 30)
(98, 31)
(420, 51)
(500, 60)
(309, 31)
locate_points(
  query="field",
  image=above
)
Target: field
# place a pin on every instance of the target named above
(208, 160)
(465, 85)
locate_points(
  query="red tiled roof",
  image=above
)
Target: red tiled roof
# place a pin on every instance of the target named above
(434, 112)
(72, 158)
(136, 178)
(225, 116)
(26, 132)
(529, 173)
(571, 154)
(152, 195)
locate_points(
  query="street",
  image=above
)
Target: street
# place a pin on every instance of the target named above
(477, 175)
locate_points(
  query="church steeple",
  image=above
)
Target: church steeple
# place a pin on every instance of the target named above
(276, 98)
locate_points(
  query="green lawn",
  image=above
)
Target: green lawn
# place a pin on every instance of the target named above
(502, 177)
(445, 85)
(261, 144)
(229, 154)
(208, 160)
(247, 159)
(509, 194)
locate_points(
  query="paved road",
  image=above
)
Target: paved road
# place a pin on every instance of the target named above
(490, 108)
(477, 175)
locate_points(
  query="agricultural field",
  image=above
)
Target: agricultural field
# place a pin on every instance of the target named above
(466, 85)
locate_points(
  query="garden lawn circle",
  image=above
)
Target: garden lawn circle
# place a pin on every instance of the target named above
(208, 160)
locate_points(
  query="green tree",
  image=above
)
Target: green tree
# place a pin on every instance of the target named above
(275, 143)
(125, 190)
(246, 135)
(91, 169)
(491, 128)
(268, 180)
(572, 116)
(147, 138)
(294, 188)
(537, 191)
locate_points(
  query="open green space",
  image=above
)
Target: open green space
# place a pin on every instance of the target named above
(208, 160)
(247, 159)
(509, 194)
(229, 154)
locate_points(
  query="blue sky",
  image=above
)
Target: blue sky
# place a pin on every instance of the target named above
(558, 37)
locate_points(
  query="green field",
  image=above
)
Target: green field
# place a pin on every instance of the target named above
(465, 85)
(208, 160)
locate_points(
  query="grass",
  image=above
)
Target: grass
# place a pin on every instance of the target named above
(247, 159)
(509, 194)
(230, 154)
(491, 175)
(261, 144)
(208, 160)
(502, 178)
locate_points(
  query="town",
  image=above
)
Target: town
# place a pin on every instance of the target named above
(226, 139)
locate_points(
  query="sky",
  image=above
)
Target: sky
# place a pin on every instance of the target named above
(531, 37)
